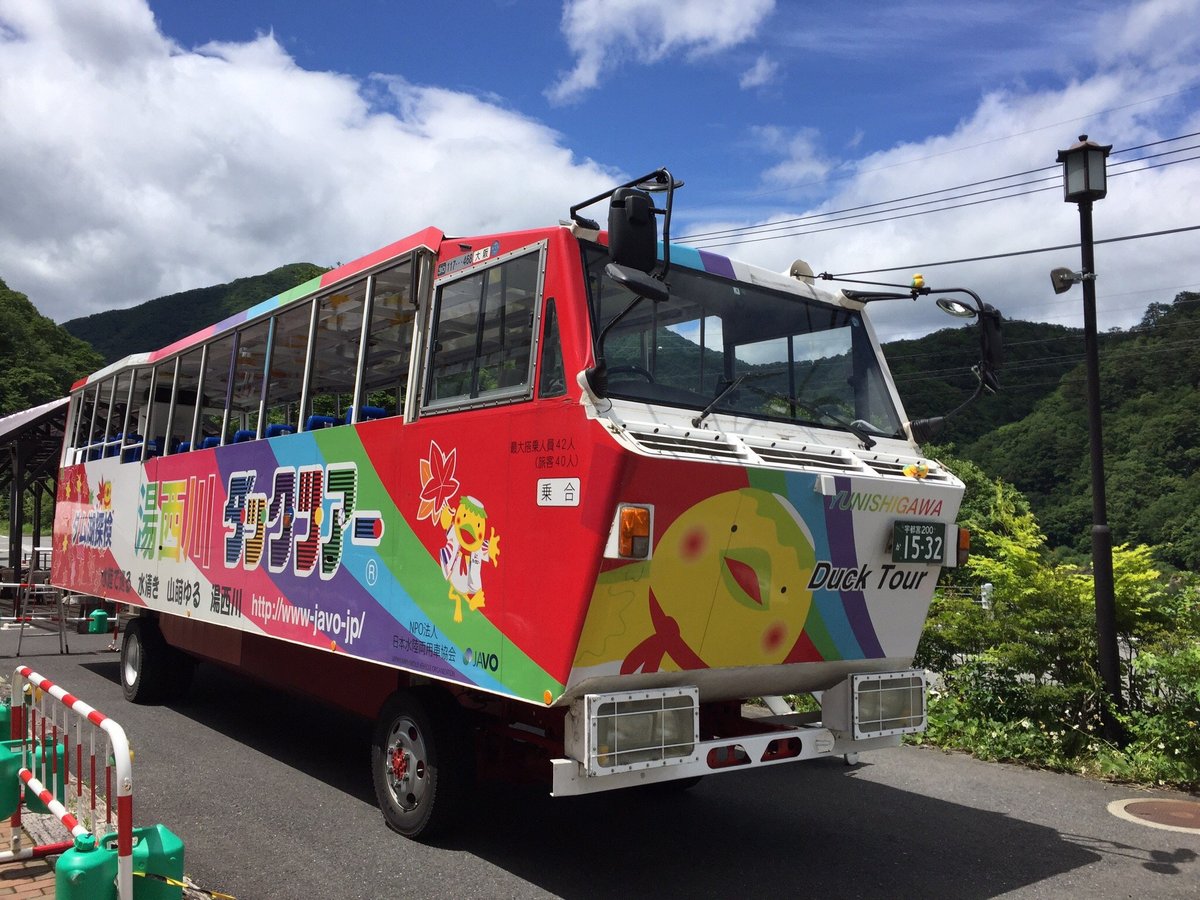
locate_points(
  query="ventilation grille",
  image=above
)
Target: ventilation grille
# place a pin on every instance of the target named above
(894, 466)
(714, 446)
(673, 442)
(788, 454)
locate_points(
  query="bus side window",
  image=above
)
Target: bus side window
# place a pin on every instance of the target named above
(216, 391)
(85, 428)
(335, 352)
(247, 386)
(186, 394)
(389, 344)
(286, 381)
(483, 333)
(552, 381)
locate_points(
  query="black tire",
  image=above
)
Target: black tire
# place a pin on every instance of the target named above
(144, 663)
(421, 763)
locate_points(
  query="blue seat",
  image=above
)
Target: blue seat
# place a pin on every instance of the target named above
(277, 429)
(367, 414)
(112, 446)
(315, 422)
(132, 451)
(244, 434)
(212, 440)
(184, 447)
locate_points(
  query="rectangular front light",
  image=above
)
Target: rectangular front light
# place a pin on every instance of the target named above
(641, 729)
(888, 703)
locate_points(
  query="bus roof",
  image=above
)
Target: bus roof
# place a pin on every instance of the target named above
(431, 239)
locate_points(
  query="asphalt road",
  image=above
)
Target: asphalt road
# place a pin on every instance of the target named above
(272, 798)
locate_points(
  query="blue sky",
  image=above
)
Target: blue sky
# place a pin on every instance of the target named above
(147, 148)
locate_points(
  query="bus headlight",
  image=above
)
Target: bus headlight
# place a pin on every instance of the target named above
(876, 704)
(640, 729)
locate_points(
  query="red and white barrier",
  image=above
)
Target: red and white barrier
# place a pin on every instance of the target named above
(44, 712)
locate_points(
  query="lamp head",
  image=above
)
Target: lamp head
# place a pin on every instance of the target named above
(1084, 170)
(1062, 278)
(956, 308)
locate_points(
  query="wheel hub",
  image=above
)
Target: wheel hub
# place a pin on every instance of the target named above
(405, 765)
(399, 764)
(132, 661)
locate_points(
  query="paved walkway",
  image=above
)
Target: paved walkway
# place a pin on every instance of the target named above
(25, 879)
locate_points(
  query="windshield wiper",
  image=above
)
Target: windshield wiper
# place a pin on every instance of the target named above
(865, 439)
(717, 399)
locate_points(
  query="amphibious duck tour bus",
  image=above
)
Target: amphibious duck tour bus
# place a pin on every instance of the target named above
(552, 501)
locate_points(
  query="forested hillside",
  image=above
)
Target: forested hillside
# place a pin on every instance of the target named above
(933, 374)
(118, 332)
(1151, 417)
(39, 360)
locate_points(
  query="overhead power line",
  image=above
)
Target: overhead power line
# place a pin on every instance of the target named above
(969, 259)
(1003, 187)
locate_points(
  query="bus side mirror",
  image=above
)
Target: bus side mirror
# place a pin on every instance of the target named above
(638, 282)
(991, 345)
(632, 230)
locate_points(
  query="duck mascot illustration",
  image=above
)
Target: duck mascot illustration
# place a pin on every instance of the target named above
(727, 586)
(466, 551)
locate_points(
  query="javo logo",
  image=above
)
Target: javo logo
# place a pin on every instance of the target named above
(480, 660)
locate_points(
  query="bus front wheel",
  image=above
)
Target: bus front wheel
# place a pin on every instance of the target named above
(420, 763)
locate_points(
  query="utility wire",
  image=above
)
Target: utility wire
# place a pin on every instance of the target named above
(878, 206)
(968, 259)
(761, 233)
(837, 215)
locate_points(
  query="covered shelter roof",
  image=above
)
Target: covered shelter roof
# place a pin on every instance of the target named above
(30, 445)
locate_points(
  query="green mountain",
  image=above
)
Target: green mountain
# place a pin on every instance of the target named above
(39, 360)
(933, 374)
(156, 323)
(1149, 378)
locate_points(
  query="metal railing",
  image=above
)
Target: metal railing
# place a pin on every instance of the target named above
(52, 725)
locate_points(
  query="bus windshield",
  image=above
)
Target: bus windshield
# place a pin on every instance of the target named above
(737, 348)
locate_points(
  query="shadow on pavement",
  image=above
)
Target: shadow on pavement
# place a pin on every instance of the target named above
(300, 733)
(809, 829)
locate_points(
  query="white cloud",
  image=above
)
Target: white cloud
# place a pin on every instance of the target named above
(132, 168)
(1140, 89)
(603, 34)
(762, 73)
(803, 163)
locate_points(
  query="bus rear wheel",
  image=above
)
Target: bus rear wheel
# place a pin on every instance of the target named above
(420, 763)
(143, 663)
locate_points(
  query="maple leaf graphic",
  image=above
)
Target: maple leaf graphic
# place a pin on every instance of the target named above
(438, 483)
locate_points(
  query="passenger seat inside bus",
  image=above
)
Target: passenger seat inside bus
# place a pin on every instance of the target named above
(316, 422)
(132, 451)
(367, 414)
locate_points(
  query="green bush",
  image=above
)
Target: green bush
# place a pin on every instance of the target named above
(1018, 681)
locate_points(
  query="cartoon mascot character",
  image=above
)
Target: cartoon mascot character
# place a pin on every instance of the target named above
(466, 551)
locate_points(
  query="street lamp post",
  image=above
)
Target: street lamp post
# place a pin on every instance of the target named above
(1085, 180)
